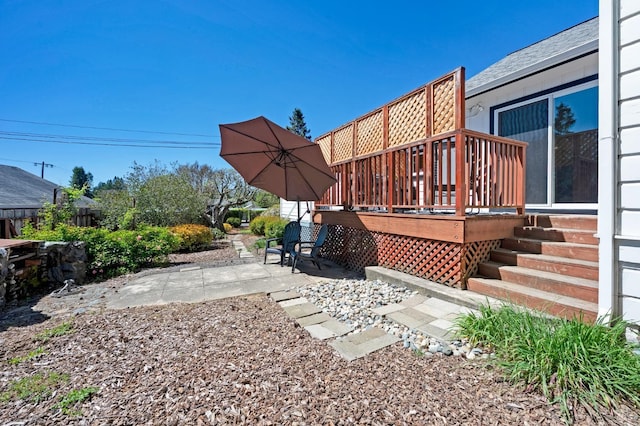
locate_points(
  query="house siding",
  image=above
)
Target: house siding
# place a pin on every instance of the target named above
(619, 222)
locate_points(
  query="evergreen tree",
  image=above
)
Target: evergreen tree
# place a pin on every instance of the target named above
(297, 124)
(117, 183)
(564, 119)
(81, 179)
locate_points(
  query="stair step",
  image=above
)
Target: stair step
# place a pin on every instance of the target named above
(557, 234)
(560, 306)
(584, 222)
(563, 285)
(553, 248)
(542, 262)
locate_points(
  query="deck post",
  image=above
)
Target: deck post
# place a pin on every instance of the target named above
(461, 181)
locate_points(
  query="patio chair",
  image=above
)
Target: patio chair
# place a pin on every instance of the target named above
(313, 254)
(287, 243)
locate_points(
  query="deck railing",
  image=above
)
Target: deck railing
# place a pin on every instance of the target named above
(432, 174)
(406, 156)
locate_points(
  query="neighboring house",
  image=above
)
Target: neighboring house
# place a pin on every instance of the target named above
(619, 150)
(22, 194)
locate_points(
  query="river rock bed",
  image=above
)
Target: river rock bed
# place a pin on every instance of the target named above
(353, 301)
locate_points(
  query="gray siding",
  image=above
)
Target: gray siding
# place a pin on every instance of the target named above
(628, 212)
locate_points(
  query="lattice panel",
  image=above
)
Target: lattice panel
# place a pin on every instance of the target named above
(325, 147)
(353, 248)
(357, 248)
(407, 119)
(444, 106)
(474, 254)
(343, 144)
(370, 137)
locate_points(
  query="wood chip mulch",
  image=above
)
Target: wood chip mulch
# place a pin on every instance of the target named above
(243, 361)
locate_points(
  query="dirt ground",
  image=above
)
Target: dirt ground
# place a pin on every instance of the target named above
(238, 361)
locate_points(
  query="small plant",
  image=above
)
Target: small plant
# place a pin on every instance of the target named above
(218, 234)
(227, 227)
(418, 353)
(275, 229)
(74, 397)
(257, 225)
(60, 330)
(28, 357)
(260, 244)
(568, 361)
(234, 221)
(34, 388)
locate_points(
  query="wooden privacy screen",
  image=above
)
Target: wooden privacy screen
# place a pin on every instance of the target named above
(403, 156)
(434, 108)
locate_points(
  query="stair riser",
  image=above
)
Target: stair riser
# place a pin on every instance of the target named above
(586, 223)
(586, 272)
(582, 253)
(557, 235)
(556, 309)
(589, 294)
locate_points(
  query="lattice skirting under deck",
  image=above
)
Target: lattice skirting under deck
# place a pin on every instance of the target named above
(440, 261)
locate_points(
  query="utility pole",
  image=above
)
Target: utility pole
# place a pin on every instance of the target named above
(43, 164)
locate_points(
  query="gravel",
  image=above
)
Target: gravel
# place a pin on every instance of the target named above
(241, 361)
(353, 301)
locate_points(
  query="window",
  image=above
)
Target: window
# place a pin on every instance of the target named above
(561, 128)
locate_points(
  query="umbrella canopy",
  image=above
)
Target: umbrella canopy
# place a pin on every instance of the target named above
(272, 158)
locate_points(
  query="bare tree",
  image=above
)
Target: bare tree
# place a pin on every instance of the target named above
(225, 189)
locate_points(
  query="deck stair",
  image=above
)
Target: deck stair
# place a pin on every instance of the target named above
(550, 264)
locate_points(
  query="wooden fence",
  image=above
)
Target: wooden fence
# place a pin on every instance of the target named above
(18, 217)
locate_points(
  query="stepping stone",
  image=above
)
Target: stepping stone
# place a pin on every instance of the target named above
(336, 327)
(387, 309)
(437, 332)
(319, 331)
(279, 296)
(361, 344)
(410, 317)
(313, 319)
(414, 300)
(302, 310)
(291, 302)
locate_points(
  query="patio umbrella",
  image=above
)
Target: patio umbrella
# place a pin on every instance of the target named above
(272, 158)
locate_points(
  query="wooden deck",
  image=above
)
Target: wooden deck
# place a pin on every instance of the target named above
(412, 182)
(442, 248)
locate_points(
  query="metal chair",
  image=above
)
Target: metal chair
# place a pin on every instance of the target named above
(287, 243)
(314, 254)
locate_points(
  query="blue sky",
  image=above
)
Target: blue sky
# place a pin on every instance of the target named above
(180, 66)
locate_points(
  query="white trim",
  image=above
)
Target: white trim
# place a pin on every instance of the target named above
(532, 69)
(607, 160)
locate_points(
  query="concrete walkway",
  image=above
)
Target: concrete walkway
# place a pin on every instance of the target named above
(431, 312)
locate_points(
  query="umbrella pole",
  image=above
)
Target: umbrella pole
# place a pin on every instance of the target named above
(299, 217)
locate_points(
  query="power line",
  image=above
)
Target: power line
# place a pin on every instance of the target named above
(108, 128)
(103, 139)
(109, 144)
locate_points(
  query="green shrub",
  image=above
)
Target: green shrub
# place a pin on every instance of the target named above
(115, 253)
(569, 361)
(235, 213)
(275, 229)
(257, 225)
(217, 234)
(234, 221)
(193, 237)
